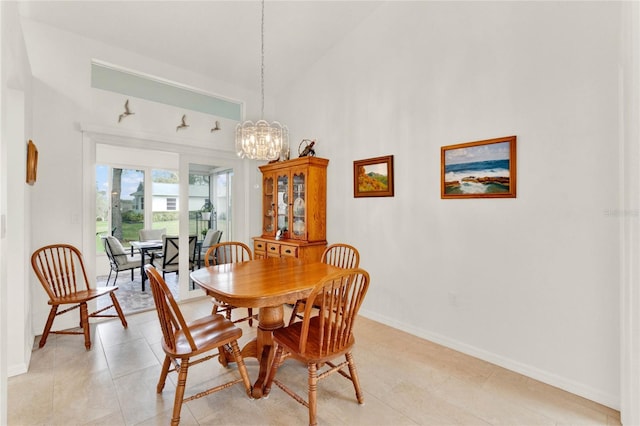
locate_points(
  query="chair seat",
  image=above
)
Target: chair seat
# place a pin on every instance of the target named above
(129, 262)
(83, 296)
(209, 332)
(289, 337)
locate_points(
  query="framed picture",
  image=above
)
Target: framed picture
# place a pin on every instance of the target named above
(482, 169)
(32, 162)
(373, 177)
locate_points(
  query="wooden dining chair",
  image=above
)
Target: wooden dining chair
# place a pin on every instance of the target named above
(341, 255)
(183, 341)
(319, 339)
(60, 269)
(228, 252)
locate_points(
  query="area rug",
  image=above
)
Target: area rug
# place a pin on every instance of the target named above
(130, 295)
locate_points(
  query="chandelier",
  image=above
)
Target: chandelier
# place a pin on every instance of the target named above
(262, 140)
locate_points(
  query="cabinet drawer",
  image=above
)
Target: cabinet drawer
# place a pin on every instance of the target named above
(273, 249)
(259, 246)
(290, 251)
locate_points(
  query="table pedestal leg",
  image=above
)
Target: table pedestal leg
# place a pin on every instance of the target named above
(269, 318)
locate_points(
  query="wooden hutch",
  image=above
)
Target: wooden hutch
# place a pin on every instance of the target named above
(294, 207)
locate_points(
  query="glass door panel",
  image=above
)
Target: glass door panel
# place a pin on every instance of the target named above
(283, 203)
(127, 204)
(222, 203)
(269, 206)
(201, 209)
(165, 188)
(299, 206)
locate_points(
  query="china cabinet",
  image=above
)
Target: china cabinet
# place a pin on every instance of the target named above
(294, 205)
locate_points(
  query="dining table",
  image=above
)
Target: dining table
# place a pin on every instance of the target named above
(266, 284)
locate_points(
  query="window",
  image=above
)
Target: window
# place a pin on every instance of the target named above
(119, 211)
(222, 202)
(120, 203)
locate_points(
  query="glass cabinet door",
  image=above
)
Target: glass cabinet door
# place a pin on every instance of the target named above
(283, 203)
(268, 204)
(299, 206)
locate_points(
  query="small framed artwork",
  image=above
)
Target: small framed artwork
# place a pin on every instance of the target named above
(373, 177)
(482, 169)
(32, 162)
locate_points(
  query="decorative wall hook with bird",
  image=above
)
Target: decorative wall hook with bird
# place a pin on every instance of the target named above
(126, 112)
(216, 128)
(183, 124)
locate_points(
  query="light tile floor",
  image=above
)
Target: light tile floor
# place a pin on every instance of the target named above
(406, 381)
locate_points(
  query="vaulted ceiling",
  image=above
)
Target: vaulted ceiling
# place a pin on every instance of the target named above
(216, 38)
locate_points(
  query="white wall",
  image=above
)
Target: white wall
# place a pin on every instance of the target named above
(65, 104)
(15, 123)
(530, 283)
(630, 236)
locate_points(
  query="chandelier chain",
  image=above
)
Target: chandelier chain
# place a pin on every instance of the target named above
(262, 62)
(262, 140)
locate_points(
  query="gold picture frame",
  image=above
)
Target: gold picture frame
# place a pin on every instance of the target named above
(482, 169)
(32, 163)
(373, 177)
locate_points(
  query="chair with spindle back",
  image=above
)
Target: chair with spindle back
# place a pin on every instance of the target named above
(183, 341)
(60, 269)
(341, 255)
(319, 339)
(228, 252)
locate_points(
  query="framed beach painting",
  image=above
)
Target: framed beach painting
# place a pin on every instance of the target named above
(482, 169)
(373, 177)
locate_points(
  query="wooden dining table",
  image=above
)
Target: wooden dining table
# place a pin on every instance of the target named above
(266, 284)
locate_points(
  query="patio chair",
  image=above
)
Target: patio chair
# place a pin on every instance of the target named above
(168, 260)
(119, 260)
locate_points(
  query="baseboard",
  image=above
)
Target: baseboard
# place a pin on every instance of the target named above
(543, 376)
(21, 367)
(17, 369)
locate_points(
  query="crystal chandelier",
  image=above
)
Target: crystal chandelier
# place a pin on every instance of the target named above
(261, 140)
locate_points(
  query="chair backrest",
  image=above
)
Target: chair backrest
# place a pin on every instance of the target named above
(338, 297)
(115, 251)
(60, 270)
(169, 314)
(212, 237)
(171, 252)
(341, 255)
(151, 234)
(227, 252)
